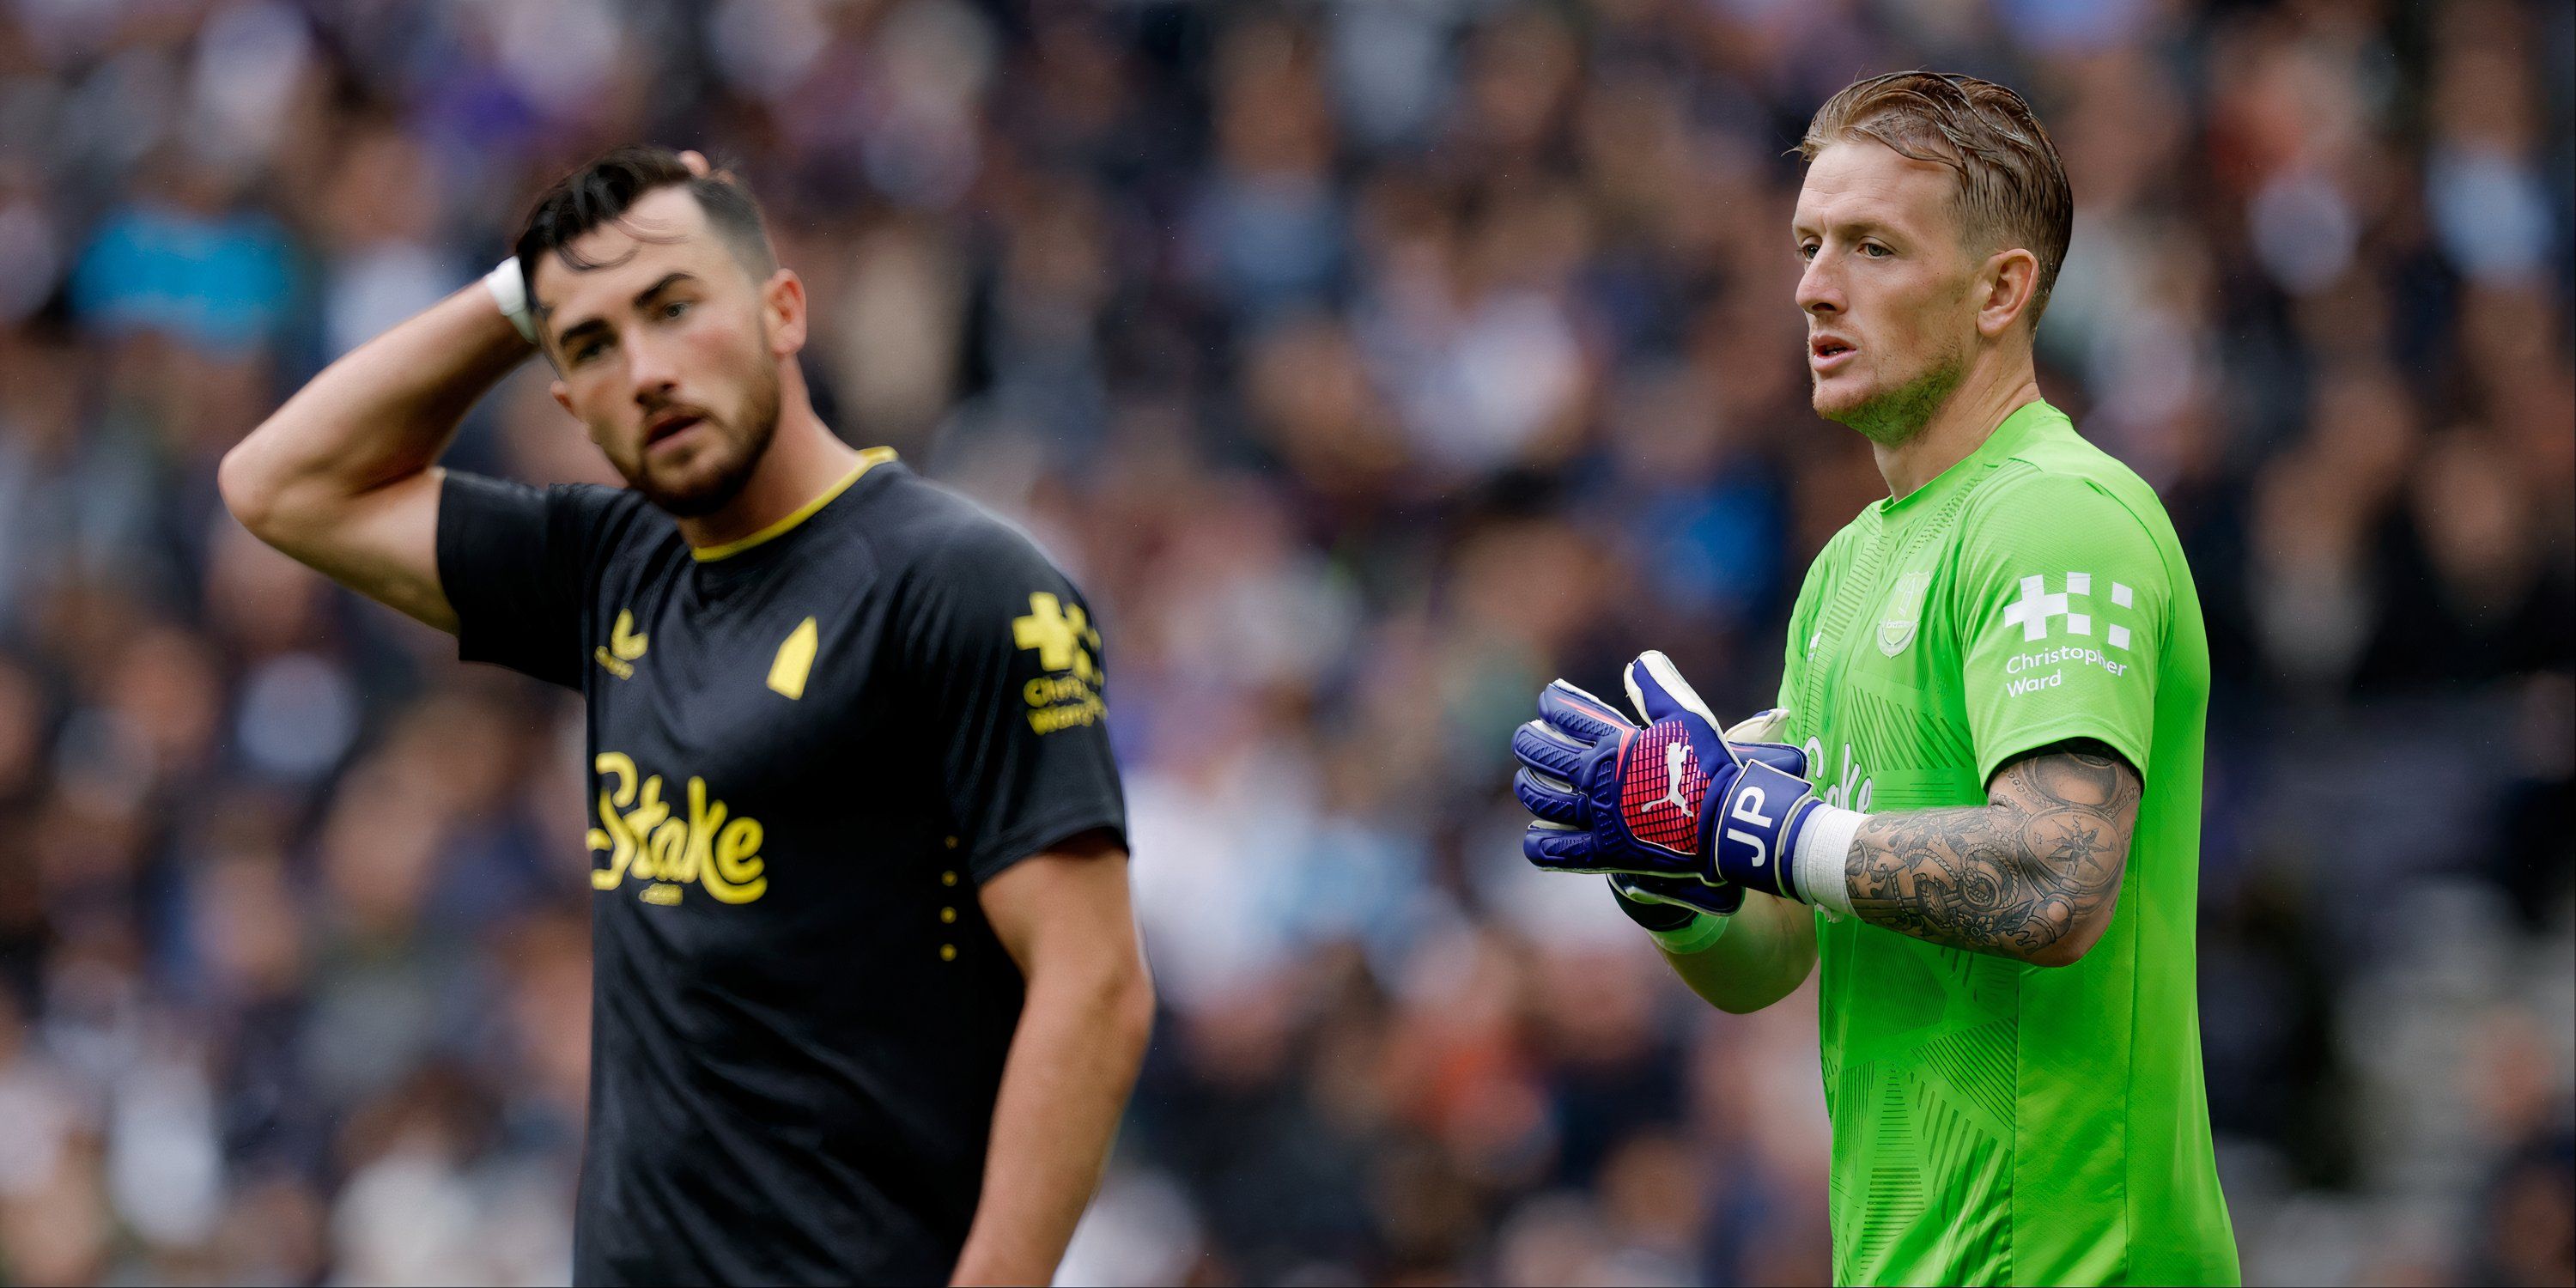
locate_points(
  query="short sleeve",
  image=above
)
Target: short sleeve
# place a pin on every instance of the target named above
(2065, 609)
(1009, 656)
(516, 563)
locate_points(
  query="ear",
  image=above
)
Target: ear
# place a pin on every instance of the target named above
(563, 398)
(782, 305)
(2005, 286)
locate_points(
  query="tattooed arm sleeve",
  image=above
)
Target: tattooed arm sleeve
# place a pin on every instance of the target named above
(2032, 875)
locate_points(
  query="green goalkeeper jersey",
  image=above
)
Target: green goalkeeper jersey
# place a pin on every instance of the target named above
(1995, 1122)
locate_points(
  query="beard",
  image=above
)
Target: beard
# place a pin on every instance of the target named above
(1890, 417)
(717, 473)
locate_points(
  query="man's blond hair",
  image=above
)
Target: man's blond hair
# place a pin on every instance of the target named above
(2012, 189)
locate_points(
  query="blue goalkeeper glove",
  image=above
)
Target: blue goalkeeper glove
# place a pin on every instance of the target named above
(1686, 915)
(1671, 800)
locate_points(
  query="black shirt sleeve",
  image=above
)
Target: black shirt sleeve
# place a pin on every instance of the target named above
(517, 563)
(1008, 657)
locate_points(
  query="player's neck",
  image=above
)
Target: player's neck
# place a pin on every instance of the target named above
(1960, 425)
(803, 459)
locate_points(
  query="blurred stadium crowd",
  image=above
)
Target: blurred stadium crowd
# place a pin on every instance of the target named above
(1368, 365)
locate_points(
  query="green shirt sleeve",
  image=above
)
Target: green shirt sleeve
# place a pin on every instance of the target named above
(2065, 609)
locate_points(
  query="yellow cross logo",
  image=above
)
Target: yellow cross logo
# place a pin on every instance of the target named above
(1062, 636)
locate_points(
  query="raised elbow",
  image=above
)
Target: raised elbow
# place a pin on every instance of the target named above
(246, 490)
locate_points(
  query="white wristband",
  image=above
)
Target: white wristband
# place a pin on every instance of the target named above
(1821, 867)
(510, 291)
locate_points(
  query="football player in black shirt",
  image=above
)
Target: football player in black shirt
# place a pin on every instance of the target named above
(869, 999)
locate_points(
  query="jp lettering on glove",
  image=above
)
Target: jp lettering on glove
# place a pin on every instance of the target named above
(1674, 799)
(1685, 915)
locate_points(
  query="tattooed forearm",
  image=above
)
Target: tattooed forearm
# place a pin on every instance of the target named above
(2032, 875)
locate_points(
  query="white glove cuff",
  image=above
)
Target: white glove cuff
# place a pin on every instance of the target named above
(510, 292)
(1822, 864)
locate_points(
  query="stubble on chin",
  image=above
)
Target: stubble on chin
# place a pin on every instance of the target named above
(714, 486)
(1890, 417)
(706, 482)
(704, 493)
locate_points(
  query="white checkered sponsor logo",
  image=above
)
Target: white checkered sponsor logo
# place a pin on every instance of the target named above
(2037, 608)
(2043, 665)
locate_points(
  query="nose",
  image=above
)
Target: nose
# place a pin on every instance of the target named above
(1820, 293)
(654, 377)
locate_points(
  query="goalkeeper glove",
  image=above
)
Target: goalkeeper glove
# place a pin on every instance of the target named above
(1672, 799)
(1686, 915)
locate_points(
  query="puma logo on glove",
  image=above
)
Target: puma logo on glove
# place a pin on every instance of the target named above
(1677, 762)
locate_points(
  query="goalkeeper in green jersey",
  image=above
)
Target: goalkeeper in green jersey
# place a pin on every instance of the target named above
(1980, 807)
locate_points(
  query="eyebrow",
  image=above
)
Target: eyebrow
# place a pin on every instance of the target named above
(642, 299)
(1856, 227)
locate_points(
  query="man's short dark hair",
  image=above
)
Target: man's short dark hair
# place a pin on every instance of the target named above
(603, 191)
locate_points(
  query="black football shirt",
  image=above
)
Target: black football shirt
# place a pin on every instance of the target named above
(806, 750)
